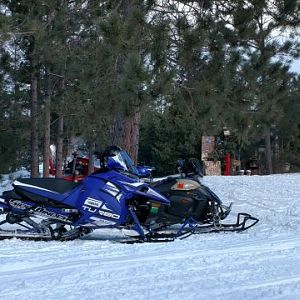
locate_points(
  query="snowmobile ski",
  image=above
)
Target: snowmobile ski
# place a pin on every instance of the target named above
(244, 222)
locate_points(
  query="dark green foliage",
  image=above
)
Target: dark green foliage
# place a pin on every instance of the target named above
(165, 138)
(188, 68)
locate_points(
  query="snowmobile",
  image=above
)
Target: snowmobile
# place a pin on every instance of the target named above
(113, 197)
(193, 204)
(76, 168)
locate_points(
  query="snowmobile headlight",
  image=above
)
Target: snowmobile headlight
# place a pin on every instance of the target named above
(185, 185)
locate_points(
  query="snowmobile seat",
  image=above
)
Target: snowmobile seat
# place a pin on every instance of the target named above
(163, 186)
(56, 185)
(11, 195)
(56, 189)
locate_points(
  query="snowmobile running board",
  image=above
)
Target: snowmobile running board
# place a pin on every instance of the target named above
(35, 236)
(24, 235)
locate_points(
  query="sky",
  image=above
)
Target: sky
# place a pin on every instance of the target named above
(295, 67)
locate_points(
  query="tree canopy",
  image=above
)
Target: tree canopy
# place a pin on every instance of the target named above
(150, 76)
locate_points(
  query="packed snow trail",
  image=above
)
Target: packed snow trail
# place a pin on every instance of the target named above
(261, 263)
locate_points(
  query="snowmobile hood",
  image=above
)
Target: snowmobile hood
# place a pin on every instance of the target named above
(143, 190)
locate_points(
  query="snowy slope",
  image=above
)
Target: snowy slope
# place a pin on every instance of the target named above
(262, 263)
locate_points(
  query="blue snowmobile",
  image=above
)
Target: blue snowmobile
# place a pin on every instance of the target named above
(114, 197)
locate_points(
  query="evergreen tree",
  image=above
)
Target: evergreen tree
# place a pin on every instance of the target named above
(288, 127)
(13, 100)
(257, 24)
(178, 69)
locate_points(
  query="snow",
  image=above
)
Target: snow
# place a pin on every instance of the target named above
(5, 180)
(261, 263)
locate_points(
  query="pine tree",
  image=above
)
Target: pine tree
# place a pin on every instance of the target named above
(288, 128)
(13, 99)
(26, 23)
(257, 24)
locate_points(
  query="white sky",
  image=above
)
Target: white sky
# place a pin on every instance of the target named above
(295, 66)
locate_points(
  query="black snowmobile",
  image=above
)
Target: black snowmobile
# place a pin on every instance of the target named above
(194, 204)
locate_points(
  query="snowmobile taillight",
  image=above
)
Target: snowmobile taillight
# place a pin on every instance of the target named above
(185, 185)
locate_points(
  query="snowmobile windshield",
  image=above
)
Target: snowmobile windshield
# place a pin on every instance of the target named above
(122, 161)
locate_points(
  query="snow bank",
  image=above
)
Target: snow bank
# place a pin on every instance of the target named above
(262, 263)
(6, 180)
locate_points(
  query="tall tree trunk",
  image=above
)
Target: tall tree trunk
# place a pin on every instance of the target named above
(59, 146)
(46, 156)
(135, 134)
(91, 157)
(34, 127)
(126, 132)
(269, 164)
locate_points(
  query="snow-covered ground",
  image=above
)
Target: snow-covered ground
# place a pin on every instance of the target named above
(262, 263)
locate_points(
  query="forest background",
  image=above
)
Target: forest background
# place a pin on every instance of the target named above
(151, 76)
